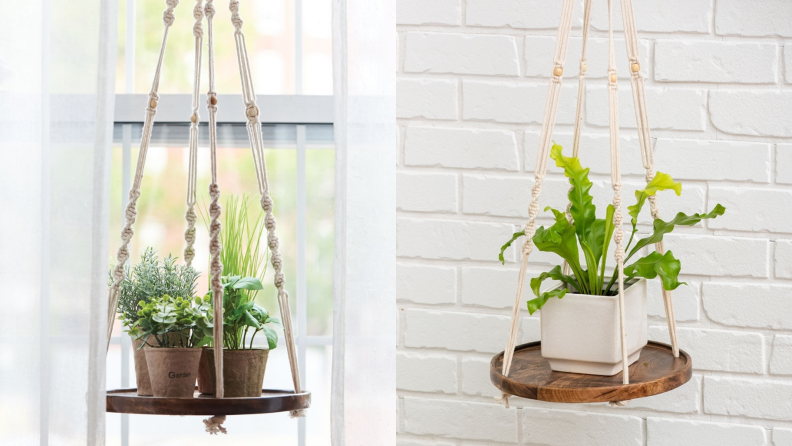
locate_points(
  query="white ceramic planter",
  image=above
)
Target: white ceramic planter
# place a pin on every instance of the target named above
(580, 333)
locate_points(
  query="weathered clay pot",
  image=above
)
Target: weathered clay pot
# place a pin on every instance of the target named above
(172, 371)
(141, 369)
(243, 372)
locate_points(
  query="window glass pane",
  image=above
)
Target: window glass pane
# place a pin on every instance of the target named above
(270, 34)
(160, 224)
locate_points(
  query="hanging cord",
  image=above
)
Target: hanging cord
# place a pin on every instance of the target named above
(645, 142)
(189, 234)
(214, 425)
(618, 234)
(131, 210)
(579, 108)
(551, 107)
(257, 147)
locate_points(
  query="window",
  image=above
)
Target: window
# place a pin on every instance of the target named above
(300, 161)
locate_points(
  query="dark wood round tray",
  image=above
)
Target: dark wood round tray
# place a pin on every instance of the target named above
(270, 401)
(656, 371)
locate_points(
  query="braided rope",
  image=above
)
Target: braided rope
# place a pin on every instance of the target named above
(134, 193)
(551, 108)
(645, 142)
(189, 234)
(618, 234)
(257, 148)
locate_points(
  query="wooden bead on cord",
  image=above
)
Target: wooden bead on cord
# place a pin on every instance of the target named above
(613, 77)
(153, 103)
(213, 100)
(194, 118)
(583, 67)
(636, 67)
(558, 71)
(252, 111)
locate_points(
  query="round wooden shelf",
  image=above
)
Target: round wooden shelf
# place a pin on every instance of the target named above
(656, 371)
(270, 401)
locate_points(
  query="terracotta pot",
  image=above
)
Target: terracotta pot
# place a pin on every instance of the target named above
(141, 369)
(205, 383)
(243, 372)
(580, 332)
(173, 371)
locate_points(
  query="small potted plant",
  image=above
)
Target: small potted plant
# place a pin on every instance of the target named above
(243, 319)
(581, 333)
(244, 264)
(172, 330)
(148, 279)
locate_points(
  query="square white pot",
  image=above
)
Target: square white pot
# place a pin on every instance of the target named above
(580, 333)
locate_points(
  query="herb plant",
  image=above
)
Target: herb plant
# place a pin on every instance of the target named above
(592, 236)
(173, 322)
(151, 278)
(244, 264)
(241, 314)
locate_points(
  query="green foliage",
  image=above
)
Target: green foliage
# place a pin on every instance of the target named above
(240, 235)
(151, 278)
(173, 322)
(592, 236)
(542, 297)
(241, 313)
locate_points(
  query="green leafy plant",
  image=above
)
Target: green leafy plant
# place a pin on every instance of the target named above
(590, 236)
(173, 322)
(149, 279)
(241, 314)
(244, 264)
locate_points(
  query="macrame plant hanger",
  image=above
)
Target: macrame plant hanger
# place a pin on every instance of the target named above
(501, 365)
(273, 401)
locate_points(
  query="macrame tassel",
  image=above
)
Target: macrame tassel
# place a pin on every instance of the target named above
(214, 425)
(617, 403)
(297, 414)
(503, 399)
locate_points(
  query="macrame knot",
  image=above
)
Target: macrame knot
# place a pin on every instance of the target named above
(167, 17)
(127, 233)
(190, 216)
(214, 190)
(233, 6)
(131, 212)
(189, 235)
(198, 10)
(134, 194)
(269, 222)
(266, 203)
(533, 209)
(272, 241)
(209, 9)
(277, 261)
(198, 30)
(279, 279)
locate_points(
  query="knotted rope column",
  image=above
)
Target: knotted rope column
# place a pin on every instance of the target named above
(257, 148)
(618, 234)
(551, 108)
(189, 234)
(134, 193)
(645, 142)
(214, 425)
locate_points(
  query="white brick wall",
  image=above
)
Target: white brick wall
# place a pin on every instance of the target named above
(472, 84)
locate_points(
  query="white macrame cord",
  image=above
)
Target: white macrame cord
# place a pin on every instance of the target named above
(213, 424)
(551, 108)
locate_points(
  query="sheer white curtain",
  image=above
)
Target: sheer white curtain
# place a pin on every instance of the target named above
(57, 76)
